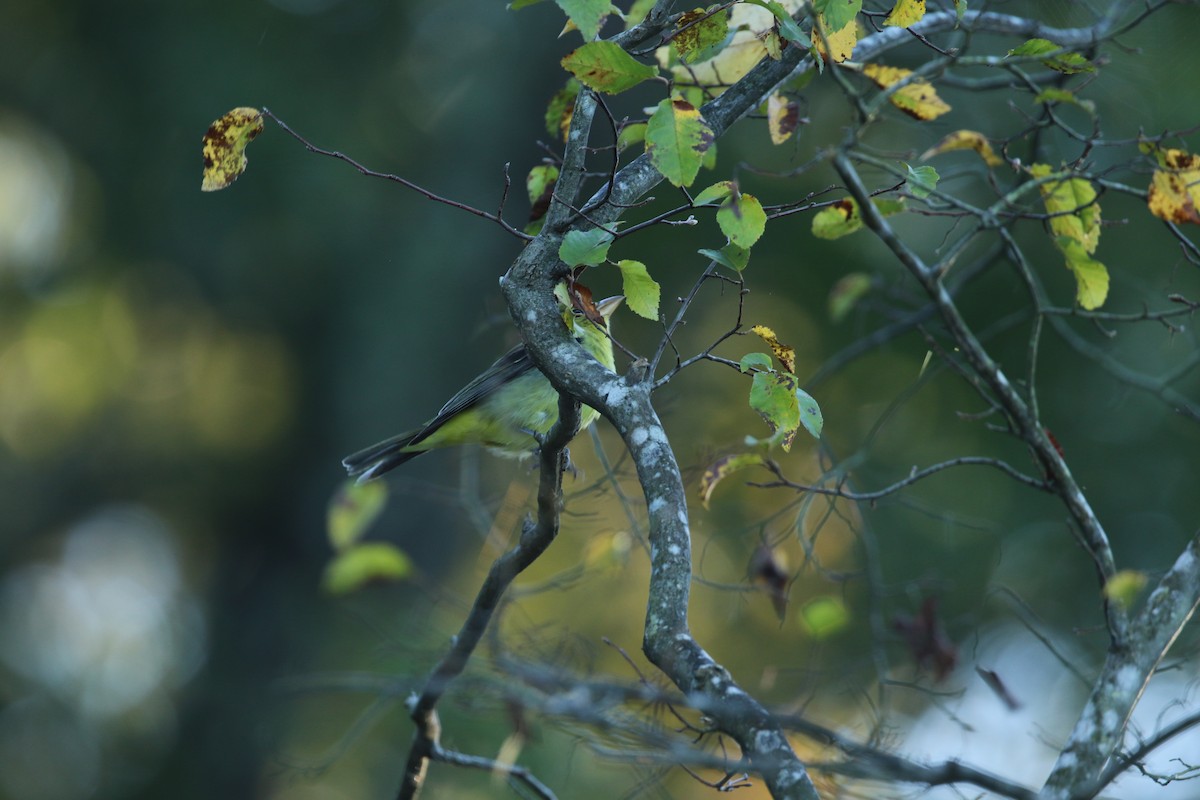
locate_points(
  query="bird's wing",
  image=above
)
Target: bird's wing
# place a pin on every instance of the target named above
(508, 367)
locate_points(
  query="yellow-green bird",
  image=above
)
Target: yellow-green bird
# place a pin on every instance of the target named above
(500, 409)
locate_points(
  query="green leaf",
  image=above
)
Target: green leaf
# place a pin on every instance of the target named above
(539, 180)
(1055, 95)
(810, 414)
(517, 5)
(1066, 63)
(759, 361)
(560, 109)
(585, 247)
(696, 35)
(638, 12)
(888, 206)
(365, 563)
(838, 13)
(773, 396)
(921, 181)
(960, 8)
(1091, 277)
(641, 291)
(539, 184)
(607, 68)
(630, 135)
(742, 219)
(732, 256)
(352, 510)
(1070, 64)
(1034, 47)
(710, 157)
(824, 616)
(846, 293)
(588, 15)
(713, 194)
(724, 467)
(788, 28)
(676, 139)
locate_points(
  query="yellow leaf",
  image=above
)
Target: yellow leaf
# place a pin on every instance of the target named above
(966, 140)
(773, 44)
(725, 69)
(224, 147)
(906, 13)
(1175, 189)
(841, 42)
(352, 510)
(754, 37)
(1124, 587)
(783, 116)
(1073, 204)
(917, 99)
(785, 354)
(1091, 277)
(364, 563)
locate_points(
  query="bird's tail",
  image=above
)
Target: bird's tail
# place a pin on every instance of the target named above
(381, 457)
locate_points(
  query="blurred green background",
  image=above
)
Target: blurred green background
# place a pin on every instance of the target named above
(180, 374)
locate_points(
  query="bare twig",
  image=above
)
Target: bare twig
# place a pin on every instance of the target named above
(370, 173)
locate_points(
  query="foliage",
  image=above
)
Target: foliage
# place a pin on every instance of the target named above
(712, 80)
(882, 478)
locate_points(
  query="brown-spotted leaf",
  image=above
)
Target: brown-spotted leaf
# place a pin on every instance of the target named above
(698, 32)
(841, 41)
(724, 467)
(918, 98)
(677, 138)
(561, 108)
(224, 147)
(783, 117)
(605, 67)
(1175, 187)
(785, 353)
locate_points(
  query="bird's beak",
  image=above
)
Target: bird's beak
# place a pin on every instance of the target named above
(608, 305)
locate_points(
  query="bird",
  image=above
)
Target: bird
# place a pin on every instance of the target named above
(506, 408)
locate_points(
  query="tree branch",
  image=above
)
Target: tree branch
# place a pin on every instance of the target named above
(1123, 678)
(535, 538)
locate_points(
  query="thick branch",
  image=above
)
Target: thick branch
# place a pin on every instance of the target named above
(1126, 672)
